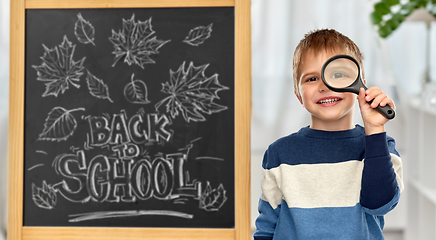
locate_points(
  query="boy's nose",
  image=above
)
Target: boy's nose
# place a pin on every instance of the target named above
(321, 86)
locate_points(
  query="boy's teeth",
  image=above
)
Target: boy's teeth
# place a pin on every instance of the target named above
(329, 100)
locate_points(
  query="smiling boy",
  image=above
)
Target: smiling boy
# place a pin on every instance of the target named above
(332, 179)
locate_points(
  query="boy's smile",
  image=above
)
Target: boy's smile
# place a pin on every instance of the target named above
(330, 110)
(329, 101)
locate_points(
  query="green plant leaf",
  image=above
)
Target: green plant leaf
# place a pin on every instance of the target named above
(398, 17)
(391, 2)
(384, 30)
(393, 24)
(420, 3)
(376, 18)
(387, 24)
(408, 8)
(382, 8)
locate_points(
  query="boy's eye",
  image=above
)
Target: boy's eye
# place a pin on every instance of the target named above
(312, 79)
(339, 75)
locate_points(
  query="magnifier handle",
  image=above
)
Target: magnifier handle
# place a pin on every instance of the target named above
(387, 111)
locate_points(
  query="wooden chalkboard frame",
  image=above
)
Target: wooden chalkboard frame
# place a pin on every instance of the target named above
(241, 230)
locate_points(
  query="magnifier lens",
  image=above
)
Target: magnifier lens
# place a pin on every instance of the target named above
(341, 72)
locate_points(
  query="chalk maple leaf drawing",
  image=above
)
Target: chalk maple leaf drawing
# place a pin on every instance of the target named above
(192, 93)
(213, 199)
(59, 125)
(58, 69)
(44, 197)
(135, 42)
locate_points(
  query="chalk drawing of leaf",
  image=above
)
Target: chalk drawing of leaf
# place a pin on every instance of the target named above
(136, 91)
(198, 35)
(213, 199)
(97, 87)
(192, 93)
(58, 69)
(44, 197)
(135, 42)
(84, 30)
(59, 125)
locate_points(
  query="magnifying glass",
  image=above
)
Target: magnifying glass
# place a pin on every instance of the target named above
(341, 73)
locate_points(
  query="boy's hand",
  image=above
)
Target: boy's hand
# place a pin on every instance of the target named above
(373, 120)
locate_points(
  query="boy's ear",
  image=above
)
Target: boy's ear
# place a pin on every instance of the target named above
(299, 97)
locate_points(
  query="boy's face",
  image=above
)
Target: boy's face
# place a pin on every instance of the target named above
(324, 105)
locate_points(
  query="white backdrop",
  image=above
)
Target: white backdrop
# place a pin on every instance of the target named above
(4, 102)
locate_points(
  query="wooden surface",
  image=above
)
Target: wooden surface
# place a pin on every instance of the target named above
(69, 233)
(16, 123)
(243, 117)
(16, 126)
(126, 4)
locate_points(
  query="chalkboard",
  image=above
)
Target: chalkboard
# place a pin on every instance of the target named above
(129, 117)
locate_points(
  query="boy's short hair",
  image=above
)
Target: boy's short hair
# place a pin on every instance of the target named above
(323, 40)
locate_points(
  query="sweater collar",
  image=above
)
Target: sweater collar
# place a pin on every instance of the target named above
(350, 133)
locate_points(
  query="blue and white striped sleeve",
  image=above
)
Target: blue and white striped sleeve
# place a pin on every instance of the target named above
(268, 214)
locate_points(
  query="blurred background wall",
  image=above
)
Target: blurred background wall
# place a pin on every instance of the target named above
(4, 108)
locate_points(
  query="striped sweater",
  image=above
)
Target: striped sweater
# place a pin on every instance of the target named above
(328, 185)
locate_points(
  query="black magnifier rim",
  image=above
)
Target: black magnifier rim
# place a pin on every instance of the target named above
(353, 87)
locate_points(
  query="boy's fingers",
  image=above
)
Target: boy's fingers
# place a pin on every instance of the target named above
(361, 97)
(388, 101)
(378, 99)
(372, 93)
(370, 89)
(385, 101)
